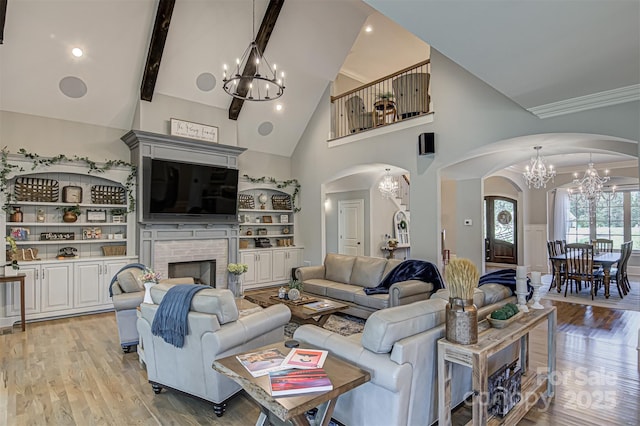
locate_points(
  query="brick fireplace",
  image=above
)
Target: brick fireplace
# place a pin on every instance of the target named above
(186, 251)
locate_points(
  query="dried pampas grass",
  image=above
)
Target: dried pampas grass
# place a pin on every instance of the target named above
(461, 276)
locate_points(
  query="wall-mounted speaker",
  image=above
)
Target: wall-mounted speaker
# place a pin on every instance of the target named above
(426, 144)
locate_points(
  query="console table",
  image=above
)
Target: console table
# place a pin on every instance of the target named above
(17, 278)
(491, 341)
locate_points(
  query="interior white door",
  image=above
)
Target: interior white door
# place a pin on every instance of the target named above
(351, 227)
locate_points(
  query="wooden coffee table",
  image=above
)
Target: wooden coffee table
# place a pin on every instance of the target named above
(292, 409)
(269, 297)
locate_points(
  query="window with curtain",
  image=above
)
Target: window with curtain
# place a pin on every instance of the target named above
(615, 217)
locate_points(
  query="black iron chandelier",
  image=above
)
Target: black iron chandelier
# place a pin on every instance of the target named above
(253, 78)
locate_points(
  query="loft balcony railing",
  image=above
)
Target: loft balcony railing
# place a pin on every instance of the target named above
(388, 100)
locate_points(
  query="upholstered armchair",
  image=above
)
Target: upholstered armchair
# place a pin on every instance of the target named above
(412, 94)
(357, 115)
(215, 331)
(127, 293)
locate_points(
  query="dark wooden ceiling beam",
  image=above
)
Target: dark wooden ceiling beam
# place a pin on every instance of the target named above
(156, 47)
(262, 38)
(3, 16)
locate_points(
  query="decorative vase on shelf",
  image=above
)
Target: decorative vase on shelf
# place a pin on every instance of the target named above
(235, 285)
(69, 217)
(16, 216)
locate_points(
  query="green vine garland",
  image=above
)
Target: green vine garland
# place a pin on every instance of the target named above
(7, 168)
(280, 184)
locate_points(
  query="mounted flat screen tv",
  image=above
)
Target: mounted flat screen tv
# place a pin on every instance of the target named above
(186, 191)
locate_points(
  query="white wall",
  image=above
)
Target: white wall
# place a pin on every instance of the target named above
(49, 137)
(468, 115)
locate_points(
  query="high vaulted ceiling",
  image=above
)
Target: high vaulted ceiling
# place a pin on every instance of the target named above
(518, 47)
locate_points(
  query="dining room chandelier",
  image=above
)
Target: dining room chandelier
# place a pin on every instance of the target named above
(388, 185)
(591, 185)
(538, 173)
(253, 78)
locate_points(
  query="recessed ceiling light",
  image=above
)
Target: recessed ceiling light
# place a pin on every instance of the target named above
(77, 52)
(279, 107)
(368, 28)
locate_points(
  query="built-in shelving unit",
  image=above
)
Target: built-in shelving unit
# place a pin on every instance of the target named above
(267, 237)
(102, 242)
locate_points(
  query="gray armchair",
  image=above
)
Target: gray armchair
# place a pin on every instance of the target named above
(357, 115)
(412, 94)
(215, 331)
(127, 293)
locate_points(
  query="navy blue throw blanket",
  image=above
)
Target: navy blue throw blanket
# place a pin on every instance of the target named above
(409, 270)
(115, 277)
(170, 321)
(506, 277)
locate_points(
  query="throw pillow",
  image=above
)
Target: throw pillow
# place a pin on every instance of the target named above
(129, 282)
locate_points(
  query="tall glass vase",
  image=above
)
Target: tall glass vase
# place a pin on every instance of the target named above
(235, 285)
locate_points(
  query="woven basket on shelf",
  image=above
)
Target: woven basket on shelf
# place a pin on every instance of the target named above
(36, 189)
(104, 194)
(114, 250)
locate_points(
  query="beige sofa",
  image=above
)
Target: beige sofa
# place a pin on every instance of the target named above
(343, 278)
(399, 348)
(215, 331)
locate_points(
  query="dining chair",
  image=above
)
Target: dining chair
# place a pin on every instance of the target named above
(602, 245)
(553, 250)
(619, 273)
(560, 246)
(580, 268)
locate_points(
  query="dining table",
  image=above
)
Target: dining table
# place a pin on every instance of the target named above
(607, 260)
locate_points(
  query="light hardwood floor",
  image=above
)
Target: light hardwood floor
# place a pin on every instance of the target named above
(72, 372)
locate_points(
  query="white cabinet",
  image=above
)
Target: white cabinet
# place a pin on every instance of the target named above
(31, 293)
(259, 263)
(283, 261)
(56, 286)
(91, 282)
(269, 267)
(47, 288)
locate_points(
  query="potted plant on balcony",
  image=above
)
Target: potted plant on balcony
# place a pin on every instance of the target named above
(385, 108)
(388, 96)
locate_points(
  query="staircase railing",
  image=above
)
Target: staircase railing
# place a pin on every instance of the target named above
(399, 96)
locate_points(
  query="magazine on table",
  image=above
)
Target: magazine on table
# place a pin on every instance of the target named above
(262, 362)
(294, 381)
(320, 305)
(305, 358)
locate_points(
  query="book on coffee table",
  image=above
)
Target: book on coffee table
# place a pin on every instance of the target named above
(292, 382)
(262, 362)
(305, 358)
(320, 305)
